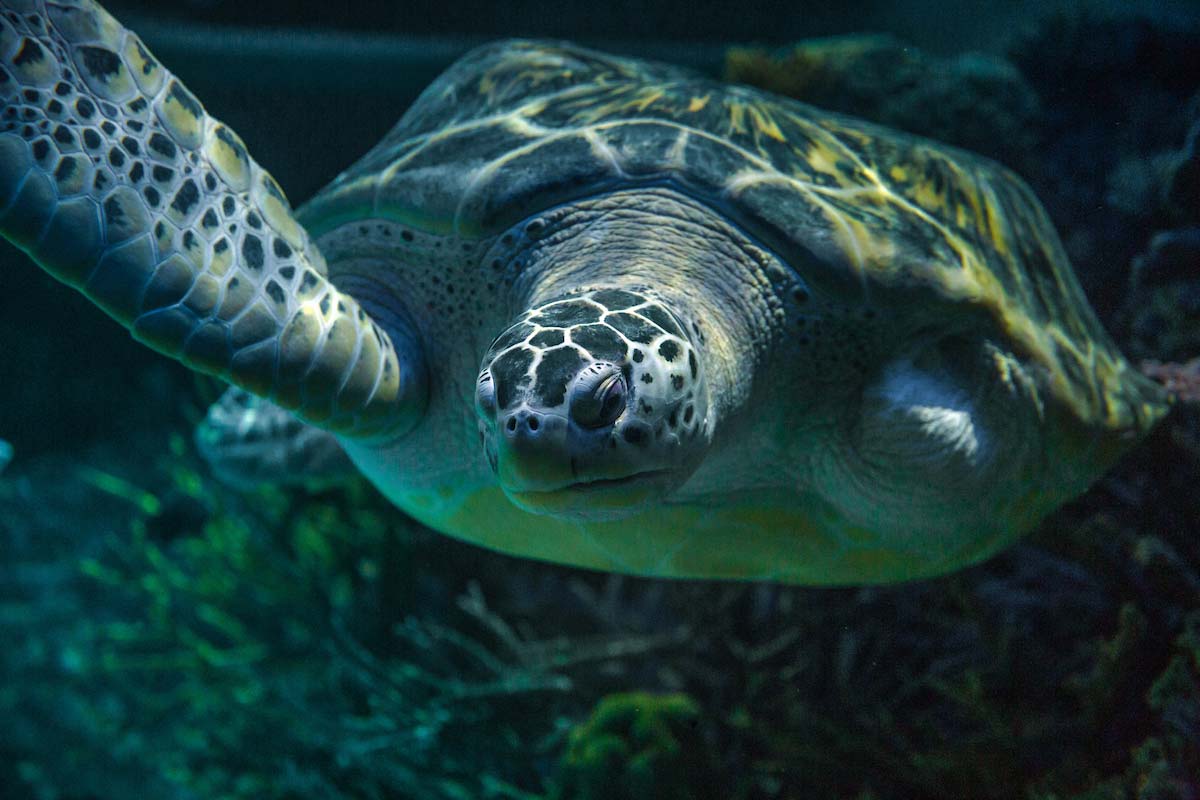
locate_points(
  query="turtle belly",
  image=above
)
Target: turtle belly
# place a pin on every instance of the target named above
(758, 535)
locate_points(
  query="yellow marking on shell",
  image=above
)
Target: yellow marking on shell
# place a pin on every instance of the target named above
(698, 103)
(763, 123)
(898, 173)
(182, 115)
(928, 197)
(737, 116)
(823, 159)
(646, 99)
(148, 73)
(995, 226)
(227, 154)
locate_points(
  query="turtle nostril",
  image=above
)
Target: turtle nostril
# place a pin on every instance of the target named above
(512, 424)
(533, 423)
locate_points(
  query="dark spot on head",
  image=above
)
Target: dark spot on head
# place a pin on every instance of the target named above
(647, 377)
(406, 235)
(210, 182)
(601, 341)
(556, 369)
(281, 248)
(548, 338)
(637, 356)
(508, 371)
(189, 240)
(63, 135)
(514, 335)
(228, 205)
(41, 149)
(85, 108)
(152, 196)
(692, 363)
(221, 245)
(566, 314)
(668, 350)
(308, 281)
(91, 139)
(633, 327)
(677, 382)
(254, 221)
(136, 172)
(131, 146)
(136, 106)
(209, 220)
(162, 174)
(54, 107)
(635, 434)
(116, 158)
(688, 413)
(252, 251)
(100, 181)
(660, 318)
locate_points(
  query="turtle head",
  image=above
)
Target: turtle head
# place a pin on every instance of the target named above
(593, 405)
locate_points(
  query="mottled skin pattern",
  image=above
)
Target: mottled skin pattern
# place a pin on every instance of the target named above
(605, 376)
(117, 182)
(594, 310)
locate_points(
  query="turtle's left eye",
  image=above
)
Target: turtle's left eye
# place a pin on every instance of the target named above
(599, 397)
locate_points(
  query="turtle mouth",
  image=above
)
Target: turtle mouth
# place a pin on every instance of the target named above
(598, 498)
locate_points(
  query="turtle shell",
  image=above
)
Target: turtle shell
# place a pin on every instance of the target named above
(940, 236)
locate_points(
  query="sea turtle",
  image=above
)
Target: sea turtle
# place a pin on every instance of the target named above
(590, 309)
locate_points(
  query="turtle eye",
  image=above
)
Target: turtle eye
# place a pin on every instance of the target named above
(598, 402)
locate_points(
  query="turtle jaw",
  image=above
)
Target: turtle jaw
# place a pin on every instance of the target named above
(599, 499)
(548, 466)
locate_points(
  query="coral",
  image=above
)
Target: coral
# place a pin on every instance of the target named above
(637, 745)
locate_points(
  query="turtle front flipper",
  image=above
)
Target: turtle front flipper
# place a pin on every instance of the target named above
(115, 180)
(247, 440)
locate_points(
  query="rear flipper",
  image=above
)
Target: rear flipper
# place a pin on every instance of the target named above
(247, 440)
(1181, 380)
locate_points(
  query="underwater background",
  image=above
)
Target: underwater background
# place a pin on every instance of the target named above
(164, 636)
